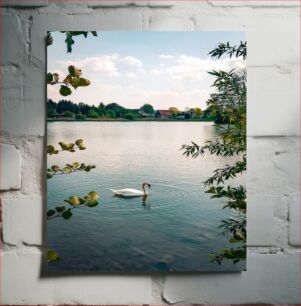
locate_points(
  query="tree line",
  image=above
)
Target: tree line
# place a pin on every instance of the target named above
(80, 111)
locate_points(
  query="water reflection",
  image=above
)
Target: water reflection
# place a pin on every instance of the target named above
(178, 223)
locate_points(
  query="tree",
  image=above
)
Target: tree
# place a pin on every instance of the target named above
(92, 114)
(129, 116)
(229, 101)
(111, 113)
(68, 114)
(173, 110)
(147, 108)
(197, 112)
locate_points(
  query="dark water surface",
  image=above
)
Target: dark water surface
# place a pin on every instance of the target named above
(173, 229)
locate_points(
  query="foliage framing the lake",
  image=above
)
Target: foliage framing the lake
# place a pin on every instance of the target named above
(73, 79)
(90, 200)
(229, 103)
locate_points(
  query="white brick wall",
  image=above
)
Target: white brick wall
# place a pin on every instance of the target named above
(273, 178)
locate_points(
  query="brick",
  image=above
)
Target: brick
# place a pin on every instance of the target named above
(24, 3)
(121, 22)
(116, 4)
(273, 98)
(268, 279)
(259, 4)
(12, 43)
(22, 221)
(170, 23)
(263, 228)
(122, 4)
(22, 283)
(277, 37)
(23, 105)
(273, 166)
(10, 170)
(162, 4)
(294, 221)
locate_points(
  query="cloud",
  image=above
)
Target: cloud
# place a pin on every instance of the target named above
(182, 81)
(189, 67)
(105, 65)
(130, 75)
(166, 56)
(132, 61)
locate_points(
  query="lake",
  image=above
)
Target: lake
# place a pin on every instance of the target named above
(173, 229)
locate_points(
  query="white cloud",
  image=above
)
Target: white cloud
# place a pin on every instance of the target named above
(130, 75)
(104, 64)
(166, 56)
(189, 67)
(181, 81)
(132, 61)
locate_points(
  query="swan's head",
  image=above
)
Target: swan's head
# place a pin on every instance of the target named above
(146, 184)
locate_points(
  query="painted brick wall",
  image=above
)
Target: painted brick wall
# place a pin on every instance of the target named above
(273, 33)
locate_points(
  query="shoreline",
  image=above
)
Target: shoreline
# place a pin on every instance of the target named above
(125, 120)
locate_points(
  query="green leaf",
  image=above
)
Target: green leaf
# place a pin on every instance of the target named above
(75, 165)
(93, 195)
(92, 203)
(67, 214)
(55, 168)
(210, 190)
(67, 169)
(49, 39)
(79, 142)
(60, 208)
(239, 236)
(233, 240)
(69, 41)
(50, 149)
(52, 256)
(50, 212)
(74, 200)
(65, 91)
(49, 78)
(63, 145)
(74, 72)
(69, 146)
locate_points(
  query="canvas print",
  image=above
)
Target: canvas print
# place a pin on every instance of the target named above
(146, 151)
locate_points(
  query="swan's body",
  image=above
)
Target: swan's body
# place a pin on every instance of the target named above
(128, 192)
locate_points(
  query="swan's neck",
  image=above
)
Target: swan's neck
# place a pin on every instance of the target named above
(144, 190)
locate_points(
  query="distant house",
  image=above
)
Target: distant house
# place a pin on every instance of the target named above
(163, 114)
(144, 114)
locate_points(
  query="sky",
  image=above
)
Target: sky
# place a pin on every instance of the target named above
(163, 69)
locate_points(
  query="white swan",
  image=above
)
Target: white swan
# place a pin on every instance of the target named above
(127, 192)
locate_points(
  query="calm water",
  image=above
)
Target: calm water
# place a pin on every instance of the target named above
(174, 228)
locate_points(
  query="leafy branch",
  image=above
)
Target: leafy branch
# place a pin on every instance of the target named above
(228, 106)
(69, 168)
(70, 147)
(69, 38)
(73, 79)
(89, 200)
(237, 51)
(63, 211)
